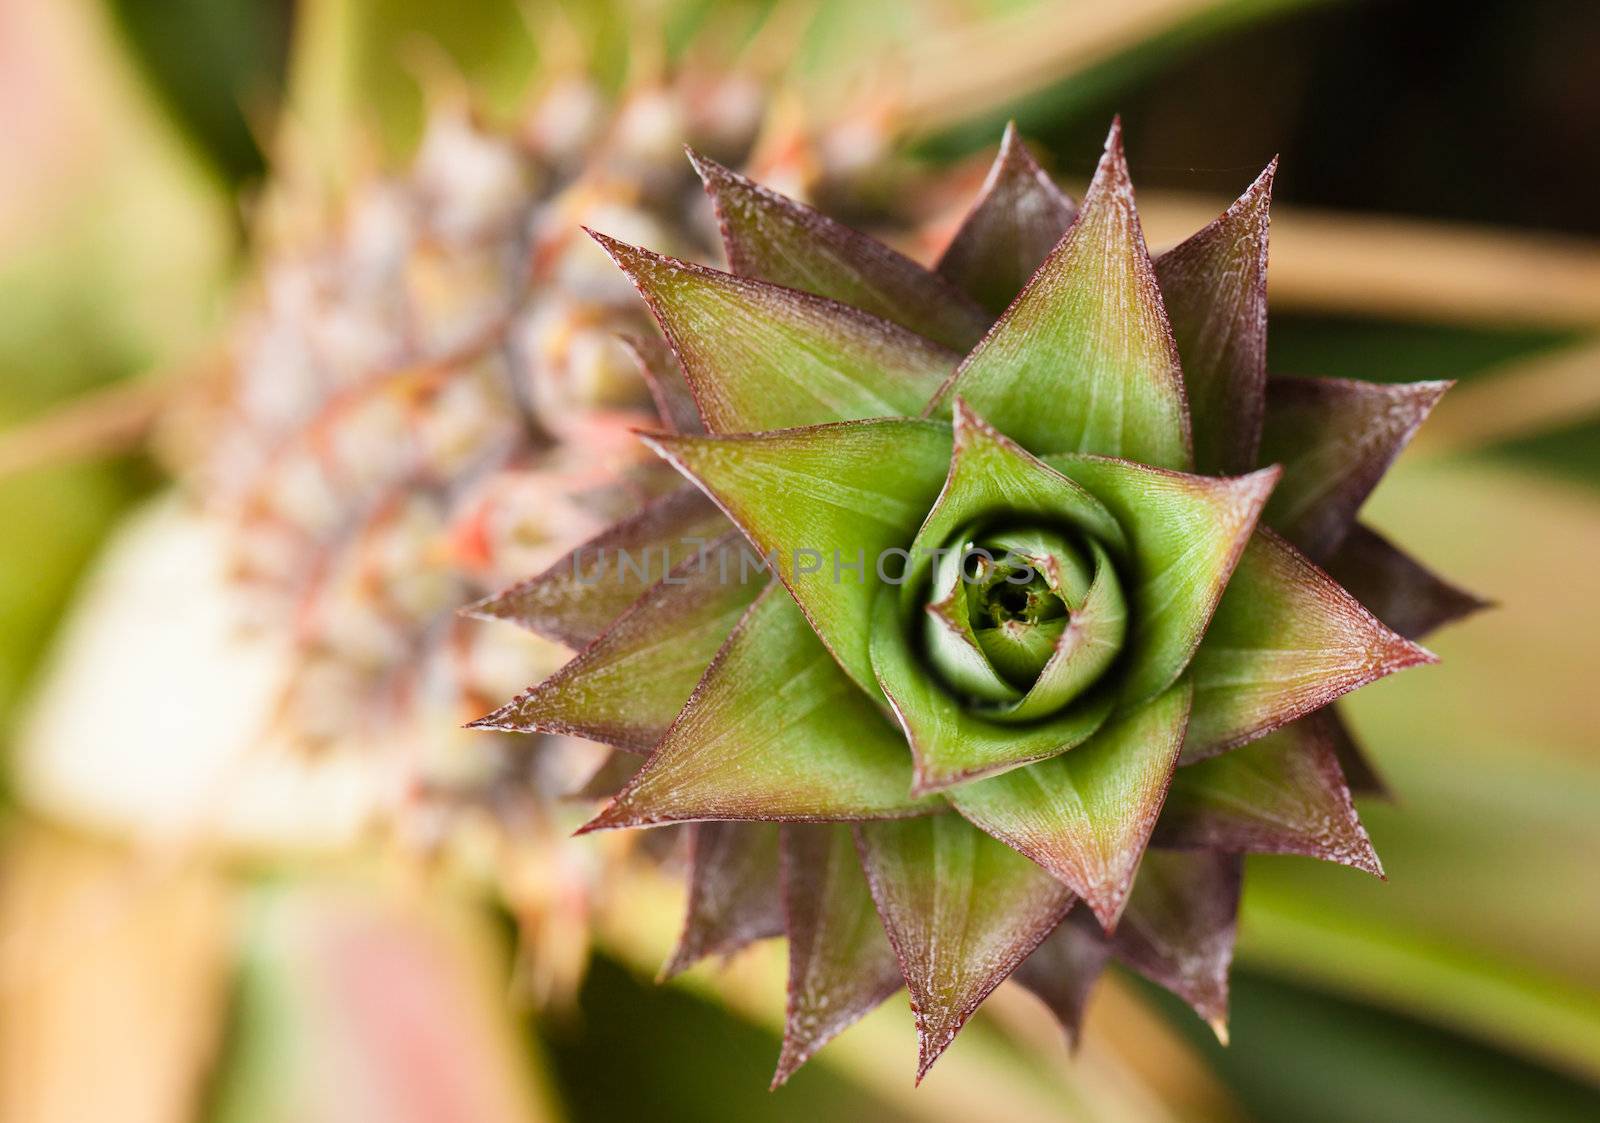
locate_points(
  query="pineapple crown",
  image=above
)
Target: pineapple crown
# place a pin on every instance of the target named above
(1029, 624)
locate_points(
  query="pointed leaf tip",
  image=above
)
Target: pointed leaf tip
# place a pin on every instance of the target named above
(773, 238)
(1086, 815)
(1018, 218)
(1084, 359)
(841, 965)
(1283, 794)
(1214, 286)
(961, 910)
(733, 892)
(1335, 438)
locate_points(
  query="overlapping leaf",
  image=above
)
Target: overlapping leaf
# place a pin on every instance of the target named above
(1016, 221)
(776, 239)
(1215, 289)
(1084, 360)
(1063, 970)
(826, 504)
(1283, 794)
(961, 910)
(1398, 589)
(758, 356)
(1180, 924)
(1335, 439)
(578, 597)
(1086, 815)
(733, 892)
(775, 731)
(1185, 535)
(626, 687)
(841, 965)
(1285, 640)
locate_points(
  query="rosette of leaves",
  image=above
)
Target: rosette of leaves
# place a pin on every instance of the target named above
(1047, 649)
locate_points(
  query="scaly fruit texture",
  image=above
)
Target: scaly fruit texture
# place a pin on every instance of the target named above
(1043, 631)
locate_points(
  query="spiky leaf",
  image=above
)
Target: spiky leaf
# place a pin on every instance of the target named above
(841, 965)
(1084, 360)
(1016, 221)
(759, 356)
(1180, 925)
(733, 892)
(1063, 970)
(1215, 289)
(579, 596)
(961, 910)
(1335, 439)
(1283, 794)
(775, 731)
(1398, 589)
(1086, 815)
(626, 687)
(774, 238)
(1285, 640)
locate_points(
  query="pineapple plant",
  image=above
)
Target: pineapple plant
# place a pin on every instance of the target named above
(1003, 607)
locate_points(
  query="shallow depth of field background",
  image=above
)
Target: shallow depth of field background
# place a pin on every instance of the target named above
(1435, 217)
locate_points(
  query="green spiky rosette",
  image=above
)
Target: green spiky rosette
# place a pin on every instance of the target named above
(1028, 641)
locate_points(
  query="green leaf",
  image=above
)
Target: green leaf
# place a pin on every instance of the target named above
(961, 910)
(1086, 815)
(579, 596)
(1335, 439)
(1084, 360)
(626, 687)
(1214, 286)
(1285, 640)
(773, 238)
(774, 732)
(1283, 794)
(757, 356)
(733, 892)
(820, 502)
(1398, 589)
(1016, 221)
(1180, 925)
(1063, 970)
(950, 743)
(1185, 536)
(841, 965)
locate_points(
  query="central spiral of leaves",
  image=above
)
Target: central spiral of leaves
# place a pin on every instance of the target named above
(1022, 619)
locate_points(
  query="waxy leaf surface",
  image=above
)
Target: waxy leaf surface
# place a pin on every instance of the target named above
(826, 504)
(774, 238)
(1215, 289)
(1086, 815)
(1084, 360)
(733, 892)
(841, 965)
(961, 910)
(1285, 640)
(1016, 221)
(775, 731)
